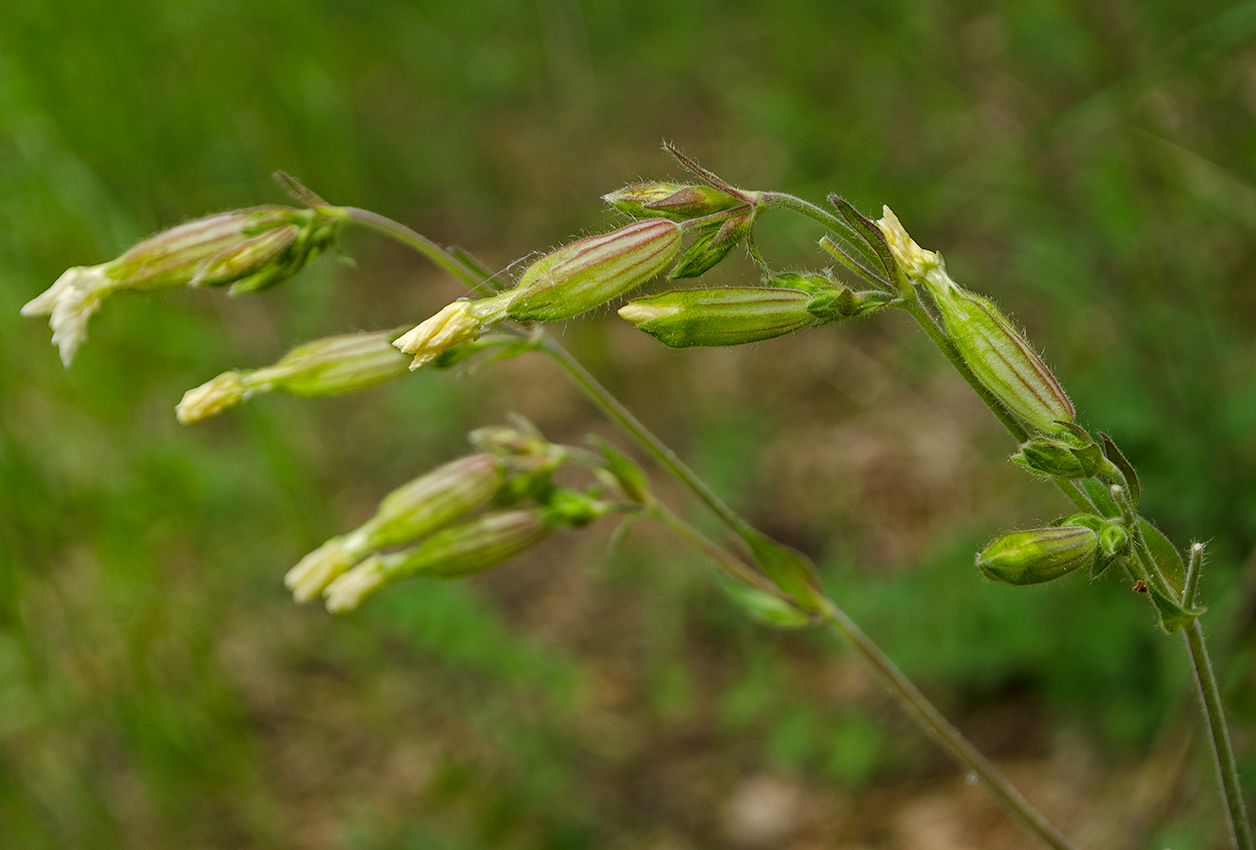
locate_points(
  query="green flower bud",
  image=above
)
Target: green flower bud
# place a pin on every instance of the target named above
(252, 249)
(589, 272)
(1003, 361)
(1061, 458)
(1038, 555)
(670, 200)
(711, 247)
(831, 301)
(335, 364)
(461, 550)
(690, 317)
(414, 510)
(460, 321)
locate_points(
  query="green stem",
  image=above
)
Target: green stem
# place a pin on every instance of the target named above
(614, 409)
(417, 241)
(931, 720)
(1219, 735)
(914, 702)
(910, 699)
(734, 567)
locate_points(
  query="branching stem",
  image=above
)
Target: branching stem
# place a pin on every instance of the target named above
(914, 703)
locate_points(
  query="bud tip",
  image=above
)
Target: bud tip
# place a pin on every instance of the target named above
(210, 398)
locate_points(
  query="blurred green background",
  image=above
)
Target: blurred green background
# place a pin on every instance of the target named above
(1088, 165)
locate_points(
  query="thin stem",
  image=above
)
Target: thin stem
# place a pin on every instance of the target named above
(418, 242)
(940, 729)
(733, 566)
(785, 201)
(914, 702)
(1196, 565)
(1219, 735)
(614, 409)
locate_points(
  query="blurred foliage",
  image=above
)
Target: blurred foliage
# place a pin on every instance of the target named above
(1089, 165)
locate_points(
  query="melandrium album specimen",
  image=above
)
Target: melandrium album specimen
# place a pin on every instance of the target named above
(478, 511)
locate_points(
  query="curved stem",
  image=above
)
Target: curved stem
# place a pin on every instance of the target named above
(913, 701)
(417, 241)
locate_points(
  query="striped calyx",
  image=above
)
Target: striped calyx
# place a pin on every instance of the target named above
(589, 272)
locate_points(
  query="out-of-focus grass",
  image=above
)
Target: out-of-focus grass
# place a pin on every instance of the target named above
(1089, 165)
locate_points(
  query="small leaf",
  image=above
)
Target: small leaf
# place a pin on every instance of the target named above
(711, 247)
(1164, 553)
(628, 476)
(764, 606)
(789, 569)
(843, 256)
(870, 233)
(1127, 470)
(1172, 615)
(1101, 497)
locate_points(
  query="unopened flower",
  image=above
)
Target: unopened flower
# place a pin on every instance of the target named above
(725, 316)
(1003, 360)
(589, 272)
(328, 366)
(413, 510)
(252, 249)
(1038, 555)
(670, 200)
(460, 550)
(461, 321)
(710, 248)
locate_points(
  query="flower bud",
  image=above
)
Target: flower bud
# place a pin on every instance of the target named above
(335, 364)
(726, 316)
(670, 200)
(712, 246)
(460, 321)
(1061, 458)
(831, 301)
(1038, 555)
(413, 510)
(1002, 360)
(591, 271)
(461, 550)
(253, 249)
(505, 440)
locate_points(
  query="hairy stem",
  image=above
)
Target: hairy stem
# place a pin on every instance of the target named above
(615, 410)
(1219, 736)
(936, 726)
(915, 704)
(913, 701)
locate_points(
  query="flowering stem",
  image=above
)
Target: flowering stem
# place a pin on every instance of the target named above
(916, 705)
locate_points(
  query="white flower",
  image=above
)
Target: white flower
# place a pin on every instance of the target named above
(70, 302)
(347, 592)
